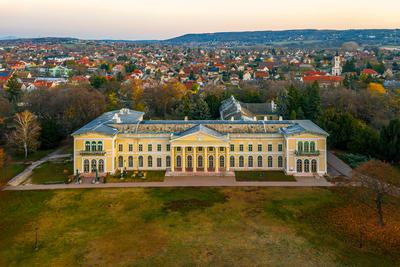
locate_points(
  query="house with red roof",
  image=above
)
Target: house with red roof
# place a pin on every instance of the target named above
(371, 72)
(323, 81)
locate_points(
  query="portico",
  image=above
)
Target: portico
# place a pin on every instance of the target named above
(200, 150)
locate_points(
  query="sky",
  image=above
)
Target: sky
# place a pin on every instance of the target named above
(162, 19)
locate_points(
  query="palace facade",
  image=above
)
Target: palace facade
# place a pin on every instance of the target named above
(122, 140)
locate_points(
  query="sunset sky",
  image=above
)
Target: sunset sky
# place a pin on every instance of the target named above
(161, 19)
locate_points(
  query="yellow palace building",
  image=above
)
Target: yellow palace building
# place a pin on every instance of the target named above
(122, 140)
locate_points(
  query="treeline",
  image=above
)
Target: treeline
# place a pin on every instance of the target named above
(358, 121)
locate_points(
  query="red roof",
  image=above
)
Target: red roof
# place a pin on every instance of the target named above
(314, 73)
(369, 72)
(323, 79)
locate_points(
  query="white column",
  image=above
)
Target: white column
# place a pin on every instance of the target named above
(216, 159)
(172, 159)
(183, 159)
(194, 161)
(205, 159)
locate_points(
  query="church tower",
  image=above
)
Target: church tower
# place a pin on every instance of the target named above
(337, 67)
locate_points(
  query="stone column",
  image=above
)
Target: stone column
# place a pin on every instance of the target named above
(184, 159)
(205, 159)
(227, 159)
(194, 161)
(216, 159)
(172, 159)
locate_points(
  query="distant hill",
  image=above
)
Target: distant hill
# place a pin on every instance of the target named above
(8, 37)
(290, 37)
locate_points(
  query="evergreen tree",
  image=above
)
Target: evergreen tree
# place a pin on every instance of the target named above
(199, 110)
(283, 104)
(293, 115)
(312, 103)
(390, 141)
(13, 90)
(349, 66)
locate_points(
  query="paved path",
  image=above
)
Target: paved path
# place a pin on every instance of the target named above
(183, 182)
(20, 178)
(337, 167)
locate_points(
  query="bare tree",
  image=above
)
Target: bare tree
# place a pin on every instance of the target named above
(26, 133)
(379, 179)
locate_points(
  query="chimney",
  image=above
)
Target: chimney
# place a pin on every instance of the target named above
(280, 118)
(265, 118)
(232, 118)
(255, 118)
(186, 118)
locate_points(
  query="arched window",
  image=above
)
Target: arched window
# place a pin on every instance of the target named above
(312, 146)
(178, 162)
(260, 161)
(222, 162)
(87, 146)
(149, 161)
(241, 161)
(280, 162)
(300, 146)
(94, 146)
(94, 165)
(200, 161)
(168, 161)
(100, 146)
(232, 162)
(101, 165)
(306, 165)
(314, 168)
(86, 164)
(306, 147)
(270, 162)
(130, 162)
(140, 161)
(250, 163)
(210, 162)
(189, 163)
(120, 162)
(299, 166)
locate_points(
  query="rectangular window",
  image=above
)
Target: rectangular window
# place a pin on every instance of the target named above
(168, 147)
(130, 147)
(178, 149)
(149, 147)
(269, 147)
(189, 149)
(200, 149)
(259, 148)
(120, 147)
(140, 148)
(159, 147)
(159, 163)
(280, 147)
(250, 148)
(211, 149)
(232, 148)
(241, 148)
(221, 149)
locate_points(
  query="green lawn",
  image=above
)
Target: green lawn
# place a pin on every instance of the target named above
(9, 171)
(52, 172)
(178, 227)
(132, 177)
(32, 156)
(263, 176)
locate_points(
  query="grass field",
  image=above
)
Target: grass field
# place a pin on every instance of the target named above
(9, 171)
(51, 172)
(263, 176)
(177, 227)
